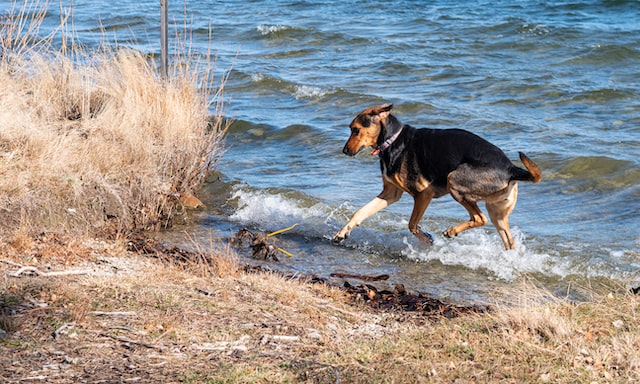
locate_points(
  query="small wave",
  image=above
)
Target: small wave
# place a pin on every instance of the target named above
(257, 77)
(273, 210)
(599, 172)
(299, 91)
(271, 29)
(534, 29)
(606, 55)
(308, 92)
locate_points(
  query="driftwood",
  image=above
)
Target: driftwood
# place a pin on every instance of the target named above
(33, 271)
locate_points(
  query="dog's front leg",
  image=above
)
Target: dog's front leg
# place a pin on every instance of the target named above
(420, 203)
(389, 195)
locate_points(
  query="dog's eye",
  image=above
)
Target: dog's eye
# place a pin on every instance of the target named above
(365, 121)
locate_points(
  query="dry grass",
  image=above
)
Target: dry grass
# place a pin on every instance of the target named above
(97, 142)
(146, 319)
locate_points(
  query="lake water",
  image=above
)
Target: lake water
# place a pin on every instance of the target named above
(558, 80)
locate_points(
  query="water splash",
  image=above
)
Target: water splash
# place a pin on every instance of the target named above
(480, 251)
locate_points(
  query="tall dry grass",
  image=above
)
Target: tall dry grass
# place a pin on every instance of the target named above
(96, 141)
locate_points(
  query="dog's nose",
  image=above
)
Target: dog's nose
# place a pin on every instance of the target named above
(346, 151)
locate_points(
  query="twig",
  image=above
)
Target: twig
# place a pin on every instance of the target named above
(64, 326)
(361, 277)
(32, 378)
(130, 330)
(130, 341)
(282, 230)
(205, 292)
(114, 314)
(11, 263)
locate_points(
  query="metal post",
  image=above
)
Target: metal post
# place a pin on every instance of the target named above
(164, 38)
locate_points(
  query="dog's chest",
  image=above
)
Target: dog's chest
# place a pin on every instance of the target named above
(404, 177)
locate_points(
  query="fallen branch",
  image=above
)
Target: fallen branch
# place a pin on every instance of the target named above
(33, 271)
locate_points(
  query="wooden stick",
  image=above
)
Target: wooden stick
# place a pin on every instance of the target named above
(282, 230)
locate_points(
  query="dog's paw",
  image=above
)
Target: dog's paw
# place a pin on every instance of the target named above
(337, 239)
(450, 232)
(424, 237)
(427, 238)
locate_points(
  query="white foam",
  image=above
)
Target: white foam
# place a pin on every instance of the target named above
(272, 210)
(257, 77)
(305, 92)
(268, 29)
(478, 250)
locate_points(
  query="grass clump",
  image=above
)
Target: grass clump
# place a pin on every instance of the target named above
(97, 142)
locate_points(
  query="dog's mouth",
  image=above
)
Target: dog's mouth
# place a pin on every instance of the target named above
(347, 151)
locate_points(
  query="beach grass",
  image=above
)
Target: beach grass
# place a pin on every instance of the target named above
(94, 145)
(96, 142)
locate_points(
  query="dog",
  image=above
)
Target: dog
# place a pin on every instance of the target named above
(430, 163)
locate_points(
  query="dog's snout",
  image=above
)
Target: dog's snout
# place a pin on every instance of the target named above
(346, 151)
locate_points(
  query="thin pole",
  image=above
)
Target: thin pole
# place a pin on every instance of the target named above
(164, 38)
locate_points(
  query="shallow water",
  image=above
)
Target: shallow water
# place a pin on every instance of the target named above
(558, 80)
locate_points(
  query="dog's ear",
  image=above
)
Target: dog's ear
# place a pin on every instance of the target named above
(381, 112)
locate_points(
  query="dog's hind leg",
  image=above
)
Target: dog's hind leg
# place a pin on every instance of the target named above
(461, 183)
(499, 211)
(476, 219)
(389, 195)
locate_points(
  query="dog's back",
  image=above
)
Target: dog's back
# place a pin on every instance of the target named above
(434, 153)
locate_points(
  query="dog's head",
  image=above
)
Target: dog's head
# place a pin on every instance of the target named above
(366, 128)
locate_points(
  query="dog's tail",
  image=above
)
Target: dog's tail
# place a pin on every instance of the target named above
(532, 173)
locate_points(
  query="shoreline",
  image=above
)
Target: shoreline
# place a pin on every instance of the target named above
(179, 317)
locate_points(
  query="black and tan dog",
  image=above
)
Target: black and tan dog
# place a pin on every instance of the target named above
(428, 163)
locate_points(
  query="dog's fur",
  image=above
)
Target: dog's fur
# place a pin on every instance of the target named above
(430, 163)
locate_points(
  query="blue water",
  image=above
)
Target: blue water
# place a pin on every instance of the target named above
(559, 80)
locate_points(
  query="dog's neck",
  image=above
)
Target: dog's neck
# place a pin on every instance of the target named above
(391, 129)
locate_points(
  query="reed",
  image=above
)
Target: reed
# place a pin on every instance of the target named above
(97, 142)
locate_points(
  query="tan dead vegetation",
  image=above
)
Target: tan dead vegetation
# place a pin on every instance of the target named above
(97, 142)
(150, 319)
